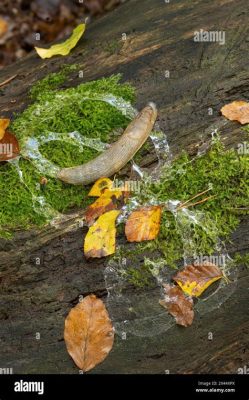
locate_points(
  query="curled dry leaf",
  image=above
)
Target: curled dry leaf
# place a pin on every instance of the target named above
(64, 48)
(9, 147)
(88, 333)
(109, 200)
(100, 186)
(237, 111)
(178, 305)
(4, 123)
(194, 279)
(143, 224)
(100, 240)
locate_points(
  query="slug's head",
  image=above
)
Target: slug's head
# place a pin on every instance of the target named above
(153, 106)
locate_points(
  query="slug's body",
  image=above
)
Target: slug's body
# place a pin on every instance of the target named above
(119, 153)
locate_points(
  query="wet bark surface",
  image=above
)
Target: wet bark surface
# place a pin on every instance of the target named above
(36, 297)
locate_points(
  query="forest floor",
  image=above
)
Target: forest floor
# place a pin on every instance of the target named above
(22, 20)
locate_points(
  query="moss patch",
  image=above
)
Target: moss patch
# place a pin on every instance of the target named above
(227, 174)
(58, 110)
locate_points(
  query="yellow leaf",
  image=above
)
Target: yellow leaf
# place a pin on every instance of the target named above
(194, 279)
(64, 48)
(109, 200)
(100, 240)
(143, 224)
(100, 186)
(4, 123)
(88, 333)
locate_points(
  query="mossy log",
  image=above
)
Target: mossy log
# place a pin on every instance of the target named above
(189, 82)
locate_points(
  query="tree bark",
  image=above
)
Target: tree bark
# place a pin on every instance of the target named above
(35, 298)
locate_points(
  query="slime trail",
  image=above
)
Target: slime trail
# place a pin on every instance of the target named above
(30, 148)
(39, 203)
(140, 311)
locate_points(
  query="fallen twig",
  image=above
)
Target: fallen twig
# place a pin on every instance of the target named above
(192, 198)
(8, 80)
(186, 205)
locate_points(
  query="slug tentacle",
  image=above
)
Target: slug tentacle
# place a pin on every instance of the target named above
(119, 153)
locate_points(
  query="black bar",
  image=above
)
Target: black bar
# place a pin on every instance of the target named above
(85, 385)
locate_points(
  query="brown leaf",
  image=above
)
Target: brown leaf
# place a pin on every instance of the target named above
(9, 147)
(109, 200)
(88, 333)
(143, 224)
(237, 111)
(194, 279)
(178, 305)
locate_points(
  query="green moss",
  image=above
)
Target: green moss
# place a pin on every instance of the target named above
(240, 259)
(139, 276)
(52, 81)
(56, 110)
(114, 46)
(227, 173)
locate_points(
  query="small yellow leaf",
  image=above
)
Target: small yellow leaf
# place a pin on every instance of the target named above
(109, 200)
(4, 123)
(88, 333)
(143, 224)
(64, 48)
(194, 279)
(99, 187)
(100, 240)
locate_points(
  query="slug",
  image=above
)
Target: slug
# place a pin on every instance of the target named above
(117, 155)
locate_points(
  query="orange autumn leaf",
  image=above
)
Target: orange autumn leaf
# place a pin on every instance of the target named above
(194, 279)
(4, 123)
(100, 186)
(109, 200)
(100, 240)
(3, 27)
(143, 224)
(237, 111)
(88, 333)
(9, 147)
(178, 305)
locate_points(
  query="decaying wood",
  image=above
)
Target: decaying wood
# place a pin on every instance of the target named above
(43, 271)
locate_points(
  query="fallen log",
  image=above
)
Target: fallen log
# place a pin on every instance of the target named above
(43, 272)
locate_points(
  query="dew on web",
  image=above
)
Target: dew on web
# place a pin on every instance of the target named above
(133, 310)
